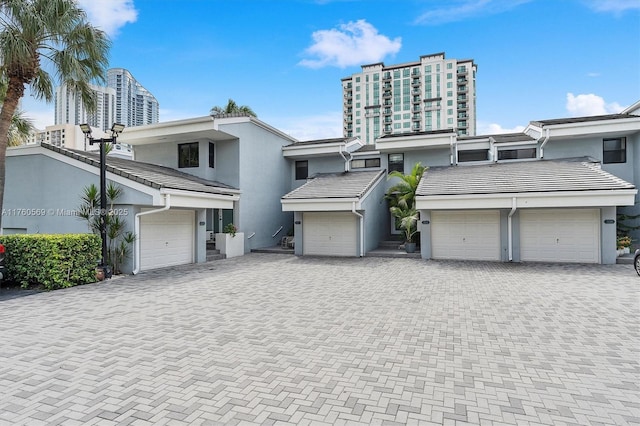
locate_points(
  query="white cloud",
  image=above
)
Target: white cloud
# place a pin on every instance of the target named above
(613, 6)
(313, 127)
(353, 43)
(460, 10)
(593, 74)
(484, 128)
(590, 104)
(109, 15)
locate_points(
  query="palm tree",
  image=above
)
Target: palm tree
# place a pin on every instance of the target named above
(21, 127)
(232, 108)
(41, 35)
(403, 193)
(402, 200)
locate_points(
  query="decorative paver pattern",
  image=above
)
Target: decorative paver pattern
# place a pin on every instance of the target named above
(272, 339)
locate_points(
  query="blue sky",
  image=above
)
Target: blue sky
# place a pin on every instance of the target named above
(537, 59)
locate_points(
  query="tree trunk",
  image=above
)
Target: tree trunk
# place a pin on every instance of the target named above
(15, 91)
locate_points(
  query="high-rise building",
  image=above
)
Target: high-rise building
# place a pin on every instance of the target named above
(433, 93)
(135, 105)
(69, 108)
(124, 101)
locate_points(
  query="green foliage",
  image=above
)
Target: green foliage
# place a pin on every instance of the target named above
(402, 198)
(623, 226)
(232, 108)
(118, 241)
(230, 229)
(51, 261)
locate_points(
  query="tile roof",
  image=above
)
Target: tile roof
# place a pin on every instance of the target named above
(582, 119)
(336, 185)
(578, 174)
(151, 175)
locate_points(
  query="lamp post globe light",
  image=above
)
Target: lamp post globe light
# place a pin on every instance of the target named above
(116, 129)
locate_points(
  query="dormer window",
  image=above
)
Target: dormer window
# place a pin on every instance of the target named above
(473, 155)
(516, 154)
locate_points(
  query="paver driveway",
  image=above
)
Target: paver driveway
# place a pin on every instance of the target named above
(274, 338)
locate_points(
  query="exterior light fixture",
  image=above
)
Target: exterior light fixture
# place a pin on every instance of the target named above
(116, 129)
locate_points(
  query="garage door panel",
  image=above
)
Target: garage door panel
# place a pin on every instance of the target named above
(166, 239)
(329, 234)
(471, 235)
(560, 235)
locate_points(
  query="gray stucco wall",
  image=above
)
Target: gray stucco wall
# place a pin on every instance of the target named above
(376, 226)
(52, 189)
(264, 177)
(225, 168)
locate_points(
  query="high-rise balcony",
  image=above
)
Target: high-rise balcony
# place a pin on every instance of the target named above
(386, 76)
(387, 111)
(387, 120)
(348, 95)
(462, 106)
(415, 82)
(386, 86)
(416, 117)
(386, 94)
(416, 99)
(462, 89)
(387, 103)
(387, 129)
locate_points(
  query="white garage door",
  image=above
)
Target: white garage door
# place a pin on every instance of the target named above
(472, 235)
(166, 239)
(560, 235)
(329, 234)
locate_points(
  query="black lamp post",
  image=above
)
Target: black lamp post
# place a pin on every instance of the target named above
(116, 129)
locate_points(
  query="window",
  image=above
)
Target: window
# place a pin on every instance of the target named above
(366, 163)
(516, 154)
(212, 155)
(302, 169)
(614, 150)
(473, 155)
(188, 155)
(396, 163)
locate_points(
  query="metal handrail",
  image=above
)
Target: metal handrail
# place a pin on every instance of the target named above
(251, 236)
(277, 232)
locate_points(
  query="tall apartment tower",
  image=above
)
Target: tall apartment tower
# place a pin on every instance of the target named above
(433, 93)
(135, 105)
(70, 110)
(124, 101)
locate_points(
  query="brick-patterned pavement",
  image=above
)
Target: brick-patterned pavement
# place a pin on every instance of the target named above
(265, 339)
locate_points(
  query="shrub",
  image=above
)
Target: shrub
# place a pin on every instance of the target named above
(230, 229)
(52, 261)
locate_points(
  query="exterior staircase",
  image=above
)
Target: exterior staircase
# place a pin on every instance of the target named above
(213, 253)
(392, 248)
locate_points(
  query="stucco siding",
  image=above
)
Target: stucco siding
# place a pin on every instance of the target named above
(51, 190)
(264, 177)
(376, 225)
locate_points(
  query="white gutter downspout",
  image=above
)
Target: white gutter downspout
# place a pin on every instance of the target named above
(453, 151)
(510, 228)
(544, 142)
(136, 230)
(353, 210)
(347, 162)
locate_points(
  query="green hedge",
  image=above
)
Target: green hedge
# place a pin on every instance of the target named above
(51, 261)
